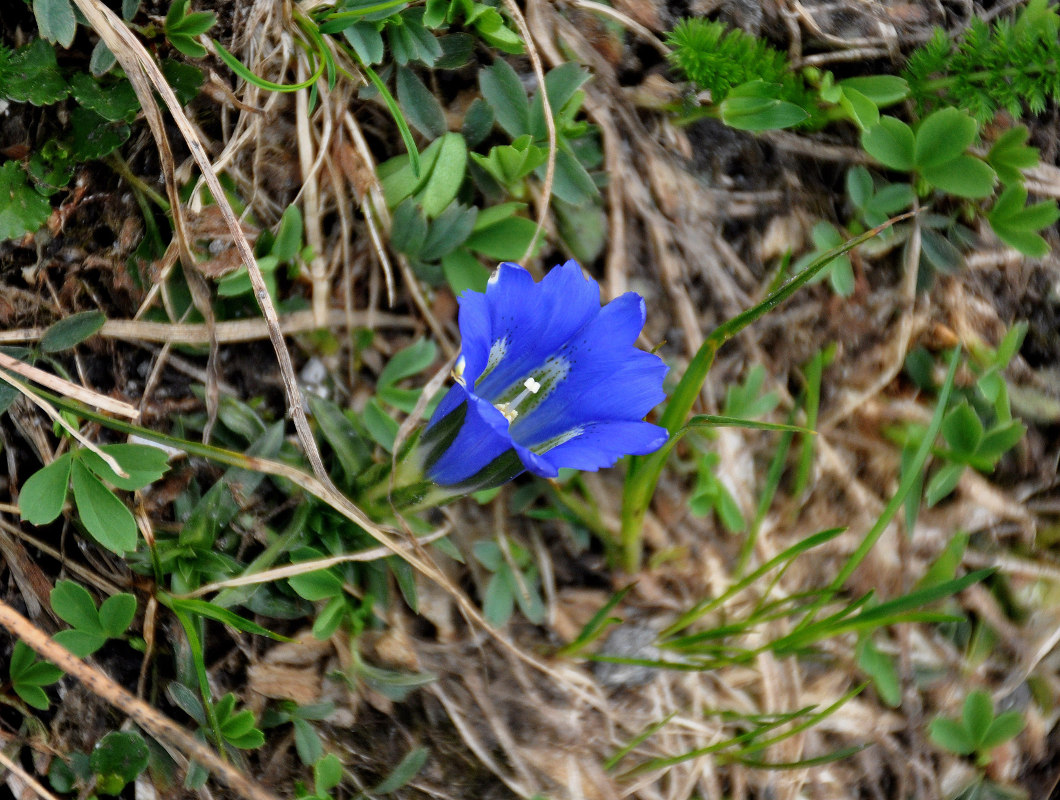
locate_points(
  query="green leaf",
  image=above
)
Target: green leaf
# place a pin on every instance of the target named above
(93, 137)
(181, 28)
(143, 463)
(306, 741)
(80, 642)
(511, 163)
(408, 362)
(421, 107)
(882, 90)
(366, 41)
(464, 272)
(22, 209)
(401, 177)
(889, 200)
(71, 331)
(120, 753)
(891, 142)
(318, 585)
(448, 231)
(350, 449)
(859, 186)
(478, 122)
(1015, 224)
(446, 177)
(503, 90)
(380, 426)
(404, 364)
(943, 482)
(962, 430)
(32, 694)
(104, 516)
(75, 606)
(42, 496)
(1010, 155)
(327, 774)
(185, 79)
(880, 667)
(506, 240)
(964, 176)
(405, 771)
(498, 602)
(288, 241)
(28, 675)
(859, 108)
(572, 184)
(749, 113)
(102, 59)
(203, 608)
(115, 102)
(1006, 726)
(977, 714)
(408, 229)
(55, 21)
(942, 137)
(34, 77)
(944, 567)
(116, 614)
(951, 735)
(561, 83)
(1000, 439)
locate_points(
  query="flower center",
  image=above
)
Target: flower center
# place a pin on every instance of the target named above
(509, 409)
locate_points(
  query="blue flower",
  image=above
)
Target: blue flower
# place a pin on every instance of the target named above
(546, 379)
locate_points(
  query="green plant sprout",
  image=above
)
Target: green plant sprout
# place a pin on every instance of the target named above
(978, 730)
(90, 627)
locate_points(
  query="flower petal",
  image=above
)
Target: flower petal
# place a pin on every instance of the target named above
(480, 439)
(533, 319)
(608, 379)
(475, 333)
(601, 444)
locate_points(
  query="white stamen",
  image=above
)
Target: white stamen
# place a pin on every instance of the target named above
(509, 409)
(458, 370)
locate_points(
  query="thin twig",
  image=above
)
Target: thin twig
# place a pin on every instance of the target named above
(304, 567)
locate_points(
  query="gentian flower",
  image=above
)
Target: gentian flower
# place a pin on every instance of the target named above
(546, 379)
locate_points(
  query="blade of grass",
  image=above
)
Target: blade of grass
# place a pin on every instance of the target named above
(769, 491)
(246, 74)
(706, 606)
(597, 625)
(395, 112)
(812, 373)
(636, 741)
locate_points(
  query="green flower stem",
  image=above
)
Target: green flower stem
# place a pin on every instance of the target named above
(644, 471)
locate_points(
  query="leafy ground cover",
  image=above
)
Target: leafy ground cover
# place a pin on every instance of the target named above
(232, 239)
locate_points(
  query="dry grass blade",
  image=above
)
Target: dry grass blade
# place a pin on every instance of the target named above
(31, 783)
(145, 77)
(69, 389)
(59, 420)
(228, 332)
